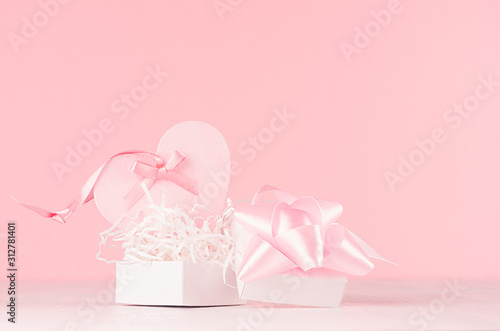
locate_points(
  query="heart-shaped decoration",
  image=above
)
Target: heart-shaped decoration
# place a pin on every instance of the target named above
(191, 167)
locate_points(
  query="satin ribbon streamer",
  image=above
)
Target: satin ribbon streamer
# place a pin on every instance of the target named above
(298, 234)
(150, 174)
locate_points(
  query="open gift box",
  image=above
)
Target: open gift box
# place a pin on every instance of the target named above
(169, 260)
(293, 251)
(176, 283)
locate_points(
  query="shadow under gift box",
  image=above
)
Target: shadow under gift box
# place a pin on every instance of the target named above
(316, 288)
(175, 283)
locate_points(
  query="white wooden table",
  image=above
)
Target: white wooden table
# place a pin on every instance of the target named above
(367, 305)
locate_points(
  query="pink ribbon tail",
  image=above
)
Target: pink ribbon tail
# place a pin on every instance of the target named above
(60, 216)
(85, 195)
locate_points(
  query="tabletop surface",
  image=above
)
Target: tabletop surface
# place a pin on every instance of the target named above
(368, 305)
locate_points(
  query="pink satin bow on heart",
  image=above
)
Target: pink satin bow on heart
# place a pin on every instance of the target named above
(150, 174)
(160, 171)
(298, 234)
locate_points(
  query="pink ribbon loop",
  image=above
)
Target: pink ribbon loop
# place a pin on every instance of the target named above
(159, 171)
(299, 234)
(151, 174)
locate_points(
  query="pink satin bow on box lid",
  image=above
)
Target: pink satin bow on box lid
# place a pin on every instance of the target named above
(298, 234)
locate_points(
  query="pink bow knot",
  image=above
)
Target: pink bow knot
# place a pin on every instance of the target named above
(298, 234)
(159, 171)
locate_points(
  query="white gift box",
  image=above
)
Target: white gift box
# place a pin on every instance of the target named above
(175, 283)
(317, 288)
(295, 290)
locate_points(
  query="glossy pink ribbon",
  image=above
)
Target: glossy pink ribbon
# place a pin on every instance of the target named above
(150, 174)
(159, 171)
(298, 234)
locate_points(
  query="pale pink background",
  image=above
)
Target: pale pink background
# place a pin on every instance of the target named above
(353, 119)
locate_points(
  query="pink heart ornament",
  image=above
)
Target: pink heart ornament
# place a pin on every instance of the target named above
(207, 163)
